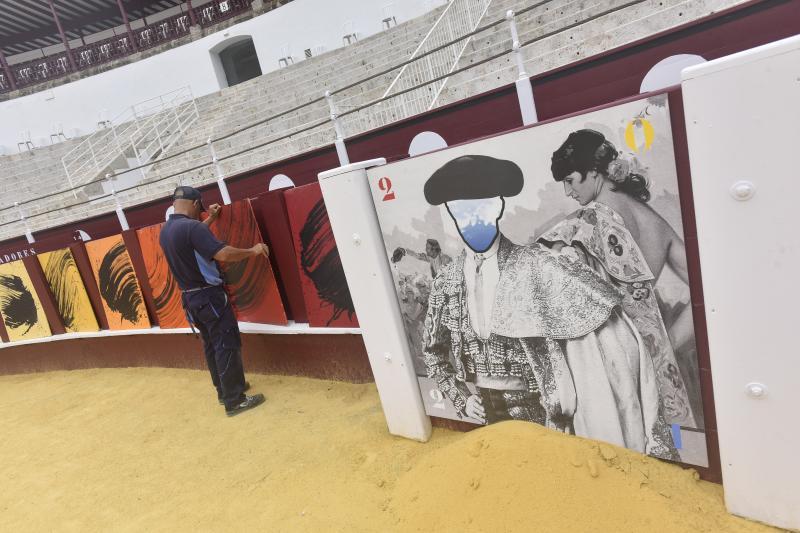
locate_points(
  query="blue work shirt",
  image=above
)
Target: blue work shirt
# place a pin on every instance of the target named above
(189, 247)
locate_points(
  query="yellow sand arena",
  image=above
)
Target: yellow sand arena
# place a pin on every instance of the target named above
(150, 450)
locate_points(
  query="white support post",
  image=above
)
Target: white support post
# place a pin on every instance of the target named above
(527, 106)
(123, 220)
(742, 134)
(28, 232)
(341, 149)
(223, 187)
(69, 179)
(358, 238)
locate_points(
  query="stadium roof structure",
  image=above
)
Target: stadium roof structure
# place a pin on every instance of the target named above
(27, 25)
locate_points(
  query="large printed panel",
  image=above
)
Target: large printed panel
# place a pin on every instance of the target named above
(251, 283)
(166, 293)
(68, 290)
(20, 307)
(113, 271)
(542, 276)
(327, 298)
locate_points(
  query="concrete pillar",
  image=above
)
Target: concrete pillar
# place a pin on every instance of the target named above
(527, 106)
(28, 232)
(192, 14)
(123, 220)
(12, 83)
(70, 58)
(341, 149)
(223, 187)
(127, 25)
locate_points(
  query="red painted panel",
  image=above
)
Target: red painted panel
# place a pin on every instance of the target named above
(270, 212)
(251, 283)
(327, 298)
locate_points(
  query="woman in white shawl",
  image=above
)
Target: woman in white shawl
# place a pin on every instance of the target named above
(628, 244)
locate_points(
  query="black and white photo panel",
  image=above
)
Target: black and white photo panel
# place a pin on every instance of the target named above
(542, 276)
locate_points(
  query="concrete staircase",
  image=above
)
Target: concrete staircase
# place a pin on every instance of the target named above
(279, 91)
(139, 135)
(221, 113)
(603, 33)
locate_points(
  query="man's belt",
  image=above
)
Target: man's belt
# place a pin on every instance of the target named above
(189, 291)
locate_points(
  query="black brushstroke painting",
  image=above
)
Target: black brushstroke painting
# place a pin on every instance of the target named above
(165, 298)
(320, 260)
(56, 271)
(118, 285)
(244, 276)
(17, 304)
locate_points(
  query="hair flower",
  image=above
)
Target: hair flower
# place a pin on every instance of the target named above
(618, 170)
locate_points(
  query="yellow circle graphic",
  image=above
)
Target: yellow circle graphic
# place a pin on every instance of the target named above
(647, 134)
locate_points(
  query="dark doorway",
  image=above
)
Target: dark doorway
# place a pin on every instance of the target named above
(240, 62)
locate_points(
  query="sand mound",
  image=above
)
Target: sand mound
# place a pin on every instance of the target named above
(517, 476)
(150, 450)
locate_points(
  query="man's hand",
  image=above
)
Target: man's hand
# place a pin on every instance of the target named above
(260, 249)
(229, 254)
(474, 408)
(213, 214)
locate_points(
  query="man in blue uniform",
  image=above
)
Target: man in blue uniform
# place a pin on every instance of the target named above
(192, 251)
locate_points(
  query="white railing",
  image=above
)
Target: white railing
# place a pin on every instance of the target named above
(141, 133)
(459, 18)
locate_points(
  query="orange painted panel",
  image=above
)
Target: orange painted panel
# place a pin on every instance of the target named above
(166, 293)
(116, 279)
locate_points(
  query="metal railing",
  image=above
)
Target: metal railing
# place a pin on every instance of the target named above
(163, 31)
(142, 132)
(40, 70)
(219, 10)
(57, 65)
(280, 129)
(442, 47)
(102, 51)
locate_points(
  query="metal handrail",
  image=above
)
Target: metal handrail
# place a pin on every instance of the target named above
(446, 38)
(309, 127)
(130, 127)
(419, 47)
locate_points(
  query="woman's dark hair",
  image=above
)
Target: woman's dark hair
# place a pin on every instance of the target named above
(586, 150)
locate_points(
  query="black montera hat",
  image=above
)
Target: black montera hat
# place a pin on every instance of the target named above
(472, 177)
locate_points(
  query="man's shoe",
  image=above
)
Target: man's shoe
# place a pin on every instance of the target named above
(246, 388)
(248, 403)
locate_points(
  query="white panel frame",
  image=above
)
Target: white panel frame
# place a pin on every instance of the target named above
(743, 127)
(358, 238)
